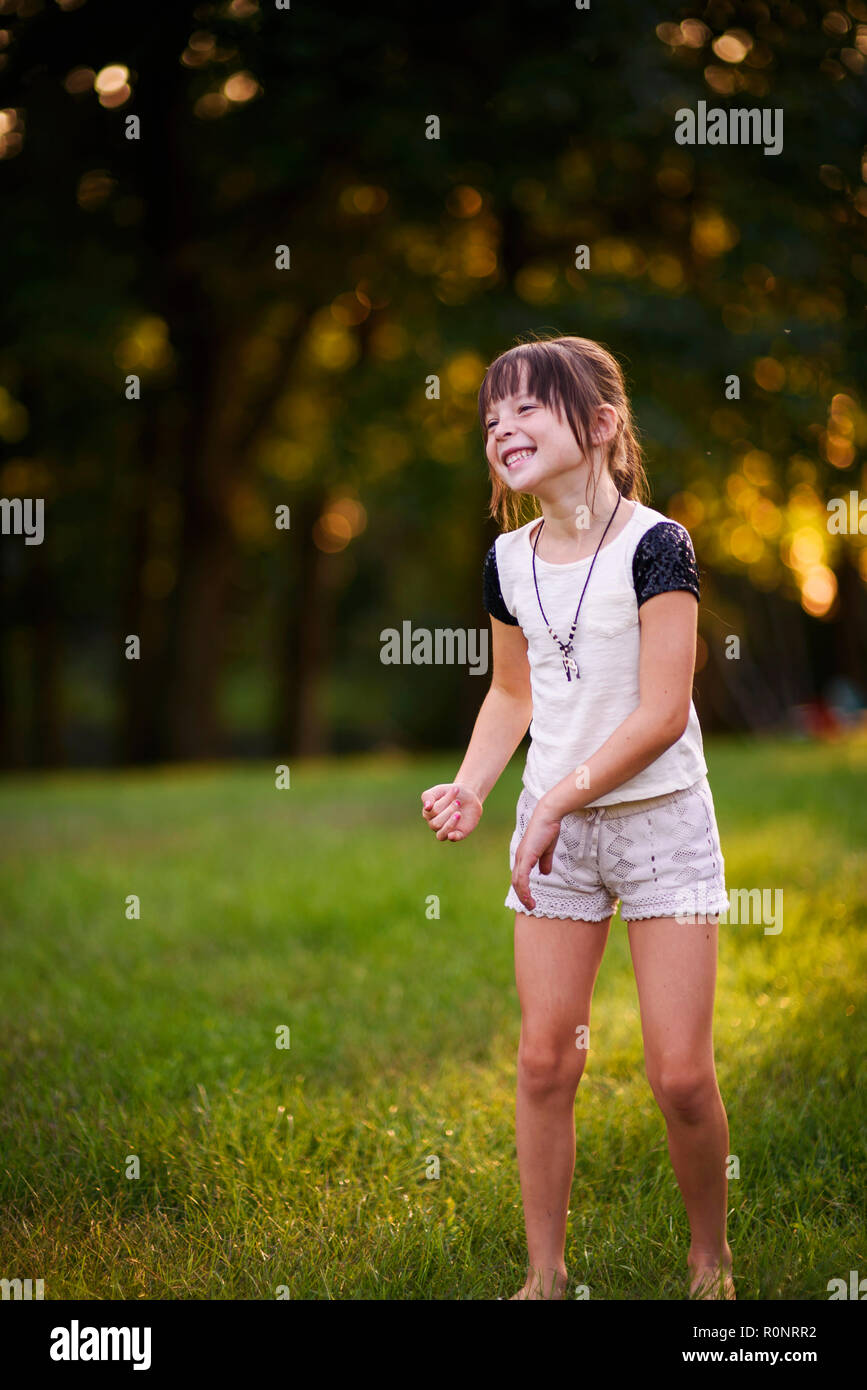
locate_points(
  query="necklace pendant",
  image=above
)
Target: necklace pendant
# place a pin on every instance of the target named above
(569, 662)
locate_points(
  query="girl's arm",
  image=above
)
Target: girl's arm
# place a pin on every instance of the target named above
(668, 624)
(500, 725)
(505, 713)
(666, 667)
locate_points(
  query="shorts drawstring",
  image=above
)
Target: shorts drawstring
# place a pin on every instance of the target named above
(595, 817)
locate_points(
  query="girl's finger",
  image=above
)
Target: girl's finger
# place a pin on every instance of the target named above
(440, 820)
(521, 884)
(442, 833)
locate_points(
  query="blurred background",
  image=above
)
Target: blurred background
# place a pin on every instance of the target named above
(306, 386)
(162, 916)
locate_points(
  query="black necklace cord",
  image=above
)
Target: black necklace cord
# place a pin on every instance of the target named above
(566, 647)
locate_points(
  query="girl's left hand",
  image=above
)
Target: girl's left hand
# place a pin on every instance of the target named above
(537, 847)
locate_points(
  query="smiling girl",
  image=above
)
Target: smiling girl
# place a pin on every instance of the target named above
(593, 613)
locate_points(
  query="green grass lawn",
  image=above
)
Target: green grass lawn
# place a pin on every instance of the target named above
(306, 1167)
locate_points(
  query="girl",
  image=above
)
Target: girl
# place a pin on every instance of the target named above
(593, 614)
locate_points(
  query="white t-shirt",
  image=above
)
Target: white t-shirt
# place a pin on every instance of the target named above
(573, 718)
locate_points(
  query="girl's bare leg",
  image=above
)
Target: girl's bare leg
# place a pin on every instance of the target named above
(556, 963)
(675, 971)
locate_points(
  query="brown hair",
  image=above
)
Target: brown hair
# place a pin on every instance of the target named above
(572, 376)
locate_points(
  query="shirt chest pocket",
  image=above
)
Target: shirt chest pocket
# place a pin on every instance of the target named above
(611, 615)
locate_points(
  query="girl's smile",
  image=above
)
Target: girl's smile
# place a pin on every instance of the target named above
(517, 454)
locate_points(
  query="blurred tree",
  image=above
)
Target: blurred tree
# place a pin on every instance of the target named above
(410, 257)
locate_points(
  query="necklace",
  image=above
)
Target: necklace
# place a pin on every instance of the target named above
(569, 662)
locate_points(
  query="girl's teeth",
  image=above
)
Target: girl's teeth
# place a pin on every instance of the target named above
(516, 458)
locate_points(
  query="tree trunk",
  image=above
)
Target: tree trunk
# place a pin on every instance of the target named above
(306, 620)
(45, 663)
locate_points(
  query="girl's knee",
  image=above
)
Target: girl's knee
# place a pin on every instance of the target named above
(683, 1088)
(547, 1066)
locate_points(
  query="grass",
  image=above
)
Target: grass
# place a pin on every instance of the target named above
(304, 1168)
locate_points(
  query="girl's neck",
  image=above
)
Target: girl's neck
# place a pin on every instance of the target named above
(571, 521)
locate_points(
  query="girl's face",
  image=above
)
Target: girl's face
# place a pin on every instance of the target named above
(527, 445)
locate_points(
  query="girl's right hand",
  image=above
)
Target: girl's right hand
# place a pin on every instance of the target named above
(451, 810)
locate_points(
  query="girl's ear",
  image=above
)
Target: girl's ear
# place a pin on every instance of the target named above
(606, 424)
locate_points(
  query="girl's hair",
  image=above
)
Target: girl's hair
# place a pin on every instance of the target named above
(572, 376)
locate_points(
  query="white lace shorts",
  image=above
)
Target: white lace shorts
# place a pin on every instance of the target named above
(660, 857)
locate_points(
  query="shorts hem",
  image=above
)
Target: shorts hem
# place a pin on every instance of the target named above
(713, 903)
(672, 905)
(561, 916)
(561, 913)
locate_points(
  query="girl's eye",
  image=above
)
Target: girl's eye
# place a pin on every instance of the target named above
(520, 408)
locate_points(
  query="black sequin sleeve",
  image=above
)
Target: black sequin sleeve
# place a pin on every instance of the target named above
(492, 596)
(664, 560)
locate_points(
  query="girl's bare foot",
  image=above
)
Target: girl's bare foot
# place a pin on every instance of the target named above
(711, 1279)
(543, 1284)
